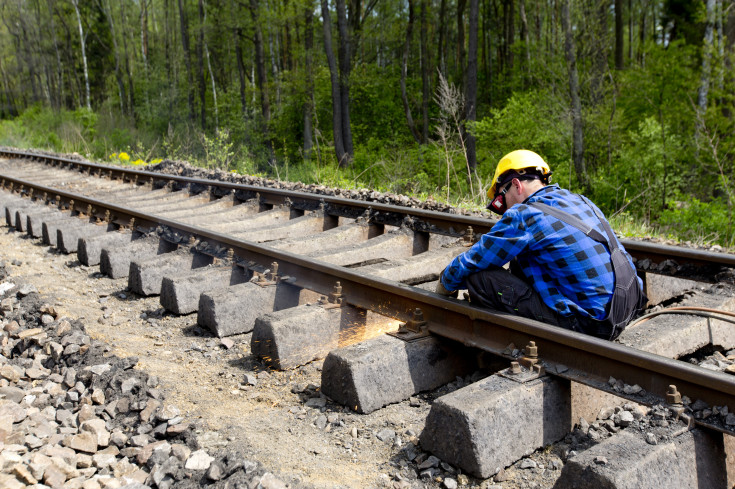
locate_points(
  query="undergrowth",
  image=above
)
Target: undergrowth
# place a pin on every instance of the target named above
(434, 171)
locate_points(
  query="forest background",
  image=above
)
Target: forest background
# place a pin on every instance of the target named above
(630, 102)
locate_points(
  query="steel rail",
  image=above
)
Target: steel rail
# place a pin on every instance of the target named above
(565, 353)
(424, 220)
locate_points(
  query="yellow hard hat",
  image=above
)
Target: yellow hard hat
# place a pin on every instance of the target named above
(518, 161)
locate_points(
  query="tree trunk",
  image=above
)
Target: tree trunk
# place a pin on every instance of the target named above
(460, 40)
(600, 66)
(200, 62)
(240, 70)
(84, 53)
(144, 32)
(441, 43)
(425, 89)
(577, 132)
(704, 84)
(107, 9)
(619, 63)
(309, 95)
(510, 33)
(404, 70)
(131, 88)
(524, 33)
(59, 71)
(339, 147)
(471, 86)
(262, 81)
(345, 63)
(187, 58)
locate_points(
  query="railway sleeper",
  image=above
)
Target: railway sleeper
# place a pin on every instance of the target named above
(67, 237)
(180, 292)
(115, 259)
(628, 460)
(11, 207)
(347, 232)
(146, 275)
(234, 310)
(23, 219)
(50, 228)
(231, 213)
(293, 337)
(674, 336)
(89, 249)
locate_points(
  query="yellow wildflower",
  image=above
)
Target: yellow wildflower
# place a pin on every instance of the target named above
(124, 156)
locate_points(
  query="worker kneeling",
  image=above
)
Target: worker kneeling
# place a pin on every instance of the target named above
(567, 267)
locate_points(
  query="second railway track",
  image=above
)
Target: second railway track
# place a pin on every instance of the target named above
(311, 275)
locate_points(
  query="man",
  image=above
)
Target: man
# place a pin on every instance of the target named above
(567, 268)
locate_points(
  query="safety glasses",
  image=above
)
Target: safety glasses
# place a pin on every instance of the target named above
(498, 203)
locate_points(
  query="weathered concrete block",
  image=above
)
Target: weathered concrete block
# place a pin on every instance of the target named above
(35, 220)
(146, 276)
(587, 402)
(389, 246)
(692, 459)
(296, 336)
(674, 335)
(115, 259)
(348, 232)
(235, 309)
(67, 237)
(416, 269)
(384, 370)
(50, 228)
(89, 248)
(660, 288)
(21, 220)
(300, 226)
(492, 423)
(180, 292)
(14, 206)
(266, 218)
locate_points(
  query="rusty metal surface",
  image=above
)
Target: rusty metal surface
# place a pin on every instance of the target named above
(582, 358)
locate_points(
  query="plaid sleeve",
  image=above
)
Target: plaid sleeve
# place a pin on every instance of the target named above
(502, 243)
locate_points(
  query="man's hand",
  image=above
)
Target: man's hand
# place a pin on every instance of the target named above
(443, 291)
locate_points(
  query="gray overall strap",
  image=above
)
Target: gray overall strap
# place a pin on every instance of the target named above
(578, 223)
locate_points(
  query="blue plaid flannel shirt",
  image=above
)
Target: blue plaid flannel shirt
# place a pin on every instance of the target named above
(571, 272)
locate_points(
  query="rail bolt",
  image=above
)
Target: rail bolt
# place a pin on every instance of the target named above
(469, 235)
(673, 396)
(335, 297)
(531, 350)
(515, 368)
(272, 276)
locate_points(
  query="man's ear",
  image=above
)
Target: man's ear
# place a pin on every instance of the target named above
(517, 184)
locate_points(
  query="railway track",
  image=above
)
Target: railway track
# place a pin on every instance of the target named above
(205, 245)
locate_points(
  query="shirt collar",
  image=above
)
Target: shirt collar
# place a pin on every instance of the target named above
(541, 191)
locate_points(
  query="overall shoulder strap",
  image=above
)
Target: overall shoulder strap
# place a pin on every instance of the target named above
(575, 222)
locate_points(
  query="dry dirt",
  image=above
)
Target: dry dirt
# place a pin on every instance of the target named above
(208, 381)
